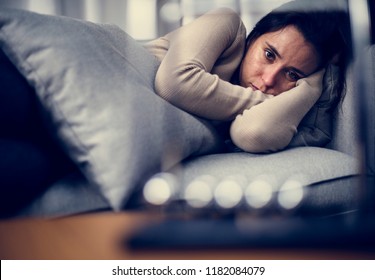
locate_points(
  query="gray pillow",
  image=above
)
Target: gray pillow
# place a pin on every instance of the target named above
(95, 85)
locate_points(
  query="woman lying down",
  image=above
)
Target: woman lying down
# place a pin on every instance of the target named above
(263, 85)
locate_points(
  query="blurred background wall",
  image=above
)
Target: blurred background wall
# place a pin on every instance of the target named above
(144, 19)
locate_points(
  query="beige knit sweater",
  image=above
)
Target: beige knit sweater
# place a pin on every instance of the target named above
(197, 63)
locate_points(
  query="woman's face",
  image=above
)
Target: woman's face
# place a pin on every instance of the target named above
(276, 60)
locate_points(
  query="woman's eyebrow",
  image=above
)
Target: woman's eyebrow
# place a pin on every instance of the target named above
(274, 50)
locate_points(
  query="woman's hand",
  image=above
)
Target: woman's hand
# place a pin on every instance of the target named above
(314, 82)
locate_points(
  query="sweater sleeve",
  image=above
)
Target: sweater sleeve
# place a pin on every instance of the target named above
(270, 126)
(197, 62)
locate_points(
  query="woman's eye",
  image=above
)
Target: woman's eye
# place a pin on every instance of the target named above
(269, 55)
(292, 76)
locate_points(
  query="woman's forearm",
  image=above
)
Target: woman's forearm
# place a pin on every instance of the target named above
(197, 62)
(206, 95)
(271, 125)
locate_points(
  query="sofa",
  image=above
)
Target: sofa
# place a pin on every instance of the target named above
(94, 88)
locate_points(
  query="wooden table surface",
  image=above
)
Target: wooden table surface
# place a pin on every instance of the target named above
(101, 236)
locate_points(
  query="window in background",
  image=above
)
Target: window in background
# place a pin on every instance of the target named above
(253, 10)
(44, 6)
(194, 9)
(145, 19)
(136, 17)
(169, 15)
(141, 22)
(250, 10)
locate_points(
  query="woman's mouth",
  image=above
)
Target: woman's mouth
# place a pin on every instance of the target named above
(253, 87)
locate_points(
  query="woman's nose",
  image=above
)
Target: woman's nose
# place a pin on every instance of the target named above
(269, 77)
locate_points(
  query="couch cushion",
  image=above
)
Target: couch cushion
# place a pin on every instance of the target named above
(313, 167)
(70, 195)
(368, 97)
(355, 118)
(95, 84)
(317, 164)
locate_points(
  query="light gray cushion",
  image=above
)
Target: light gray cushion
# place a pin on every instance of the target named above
(316, 164)
(367, 106)
(95, 84)
(313, 166)
(348, 123)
